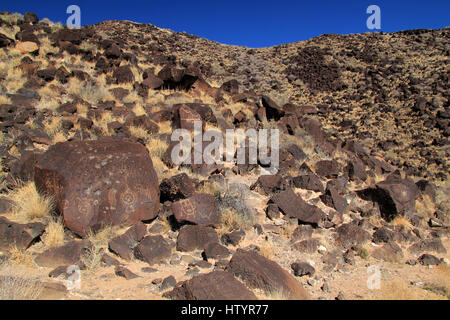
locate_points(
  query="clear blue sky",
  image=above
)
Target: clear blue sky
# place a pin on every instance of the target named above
(249, 22)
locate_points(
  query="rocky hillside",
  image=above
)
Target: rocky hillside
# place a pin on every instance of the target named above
(88, 184)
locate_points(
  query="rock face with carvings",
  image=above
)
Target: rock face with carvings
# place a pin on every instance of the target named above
(200, 209)
(99, 183)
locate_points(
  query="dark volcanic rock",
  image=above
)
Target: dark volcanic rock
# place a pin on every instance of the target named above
(261, 273)
(294, 206)
(199, 209)
(177, 187)
(217, 285)
(99, 183)
(309, 182)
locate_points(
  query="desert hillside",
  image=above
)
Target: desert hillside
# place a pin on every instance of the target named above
(92, 205)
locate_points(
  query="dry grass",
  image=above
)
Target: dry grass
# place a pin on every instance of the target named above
(29, 205)
(425, 206)
(165, 127)
(99, 240)
(4, 99)
(156, 147)
(266, 249)
(103, 121)
(21, 257)
(275, 295)
(12, 18)
(287, 230)
(212, 188)
(17, 285)
(54, 233)
(59, 137)
(402, 222)
(47, 102)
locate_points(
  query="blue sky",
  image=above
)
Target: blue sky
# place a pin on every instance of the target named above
(250, 23)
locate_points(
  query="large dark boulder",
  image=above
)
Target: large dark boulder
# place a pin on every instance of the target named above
(258, 272)
(217, 285)
(99, 183)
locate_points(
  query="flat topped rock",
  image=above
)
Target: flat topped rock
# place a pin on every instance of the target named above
(99, 183)
(217, 285)
(258, 272)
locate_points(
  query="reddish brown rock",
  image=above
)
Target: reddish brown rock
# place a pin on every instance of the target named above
(258, 272)
(217, 285)
(125, 273)
(99, 183)
(123, 245)
(200, 209)
(177, 187)
(123, 74)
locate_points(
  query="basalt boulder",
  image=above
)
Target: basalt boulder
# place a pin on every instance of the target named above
(99, 183)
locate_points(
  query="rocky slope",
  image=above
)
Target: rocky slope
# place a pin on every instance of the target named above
(87, 179)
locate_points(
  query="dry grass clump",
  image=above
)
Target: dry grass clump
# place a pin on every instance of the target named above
(20, 257)
(29, 205)
(17, 285)
(287, 230)
(165, 127)
(54, 233)
(99, 242)
(402, 222)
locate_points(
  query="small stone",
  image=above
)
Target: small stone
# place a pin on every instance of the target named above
(168, 283)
